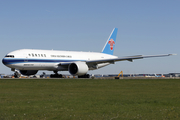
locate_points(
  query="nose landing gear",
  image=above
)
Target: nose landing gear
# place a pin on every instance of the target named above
(17, 74)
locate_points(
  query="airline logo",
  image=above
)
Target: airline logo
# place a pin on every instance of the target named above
(111, 42)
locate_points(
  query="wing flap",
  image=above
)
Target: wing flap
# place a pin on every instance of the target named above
(128, 58)
(113, 60)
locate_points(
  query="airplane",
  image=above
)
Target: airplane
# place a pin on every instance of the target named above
(159, 75)
(30, 61)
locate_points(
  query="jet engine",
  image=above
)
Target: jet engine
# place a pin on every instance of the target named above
(28, 72)
(78, 68)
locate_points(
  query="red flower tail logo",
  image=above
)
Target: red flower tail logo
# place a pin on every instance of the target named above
(111, 42)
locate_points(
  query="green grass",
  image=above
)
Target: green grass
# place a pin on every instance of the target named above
(89, 99)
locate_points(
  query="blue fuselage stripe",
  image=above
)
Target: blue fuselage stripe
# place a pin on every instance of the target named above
(16, 61)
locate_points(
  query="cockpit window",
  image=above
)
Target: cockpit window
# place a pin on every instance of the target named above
(10, 56)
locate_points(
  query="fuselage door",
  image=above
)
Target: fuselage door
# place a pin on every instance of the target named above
(25, 57)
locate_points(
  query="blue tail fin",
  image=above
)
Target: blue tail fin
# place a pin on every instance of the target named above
(110, 44)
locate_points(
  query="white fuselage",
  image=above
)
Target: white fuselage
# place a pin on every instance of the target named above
(31, 59)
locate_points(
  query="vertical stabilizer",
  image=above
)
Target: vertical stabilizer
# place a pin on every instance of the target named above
(110, 44)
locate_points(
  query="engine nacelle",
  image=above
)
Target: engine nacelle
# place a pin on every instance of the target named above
(78, 68)
(28, 72)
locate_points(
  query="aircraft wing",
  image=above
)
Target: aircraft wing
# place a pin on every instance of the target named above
(128, 58)
(113, 60)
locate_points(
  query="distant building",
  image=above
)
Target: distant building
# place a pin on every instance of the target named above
(174, 74)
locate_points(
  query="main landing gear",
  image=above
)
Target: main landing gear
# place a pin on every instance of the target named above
(56, 75)
(84, 76)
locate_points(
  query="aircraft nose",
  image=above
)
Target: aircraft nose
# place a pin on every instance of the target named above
(4, 61)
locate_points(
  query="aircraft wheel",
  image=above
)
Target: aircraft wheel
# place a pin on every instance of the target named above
(16, 75)
(84, 76)
(56, 76)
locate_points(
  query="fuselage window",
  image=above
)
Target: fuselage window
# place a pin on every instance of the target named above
(36, 55)
(41, 55)
(29, 54)
(32, 54)
(44, 55)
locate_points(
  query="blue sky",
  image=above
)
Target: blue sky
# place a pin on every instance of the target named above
(144, 27)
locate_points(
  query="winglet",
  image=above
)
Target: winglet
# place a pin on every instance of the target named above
(172, 54)
(110, 44)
